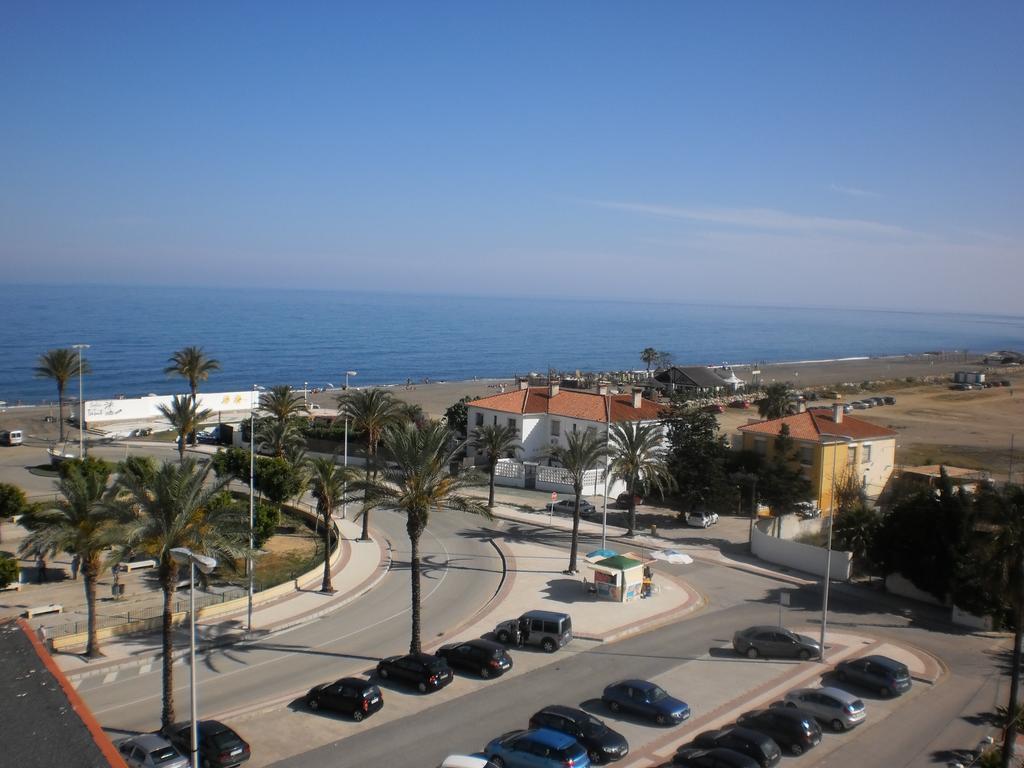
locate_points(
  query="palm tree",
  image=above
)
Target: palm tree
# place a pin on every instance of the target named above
(776, 403)
(193, 364)
(282, 403)
(185, 419)
(327, 483)
(582, 453)
(371, 412)
(638, 459)
(494, 442)
(649, 356)
(176, 508)
(84, 524)
(279, 437)
(416, 483)
(61, 365)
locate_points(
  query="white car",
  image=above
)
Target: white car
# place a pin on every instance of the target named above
(467, 761)
(701, 519)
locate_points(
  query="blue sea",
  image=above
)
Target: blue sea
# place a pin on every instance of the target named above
(267, 336)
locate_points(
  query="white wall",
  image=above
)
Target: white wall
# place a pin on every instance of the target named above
(879, 469)
(802, 557)
(143, 408)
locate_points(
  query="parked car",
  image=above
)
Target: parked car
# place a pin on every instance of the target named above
(540, 748)
(960, 387)
(774, 641)
(602, 743)
(351, 696)
(697, 757)
(151, 750)
(714, 408)
(860, 405)
(206, 437)
(751, 743)
(792, 729)
(568, 506)
(12, 437)
(218, 745)
(646, 699)
(877, 673)
(877, 401)
(421, 670)
(741, 404)
(486, 658)
(889, 400)
(835, 707)
(847, 407)
(545, 629)
(701, 519)
(622, 500)
(467, 761)
(808, 510)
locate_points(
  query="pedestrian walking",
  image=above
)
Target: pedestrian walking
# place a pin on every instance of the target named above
(41, 570)
(524, 632)
(76, 563)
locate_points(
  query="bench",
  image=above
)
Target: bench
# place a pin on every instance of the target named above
(135, 564)
(41, 609)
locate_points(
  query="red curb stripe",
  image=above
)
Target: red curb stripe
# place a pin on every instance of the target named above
(99, 736)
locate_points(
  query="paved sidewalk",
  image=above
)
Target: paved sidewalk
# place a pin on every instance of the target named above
(360, 566)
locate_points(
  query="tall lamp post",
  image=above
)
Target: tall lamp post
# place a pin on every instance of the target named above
(836, 440)
(185, 556)
(607, 443)
(253, 406)
(344, 498)
(81, 403)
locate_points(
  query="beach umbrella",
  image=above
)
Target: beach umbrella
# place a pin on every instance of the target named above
(672, 556)
(600, 554)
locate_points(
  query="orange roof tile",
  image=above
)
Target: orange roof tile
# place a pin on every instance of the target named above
(571, 404)
(813, 425)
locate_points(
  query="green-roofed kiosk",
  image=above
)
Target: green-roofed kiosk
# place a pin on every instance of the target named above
(618, 578)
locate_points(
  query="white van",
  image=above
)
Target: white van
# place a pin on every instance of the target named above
(11, 437)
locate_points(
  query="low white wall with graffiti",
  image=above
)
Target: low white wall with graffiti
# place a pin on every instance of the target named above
(144, 408)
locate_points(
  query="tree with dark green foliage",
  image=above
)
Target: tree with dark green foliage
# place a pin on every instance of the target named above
(698, 460)
(232, 463)
(775, 403)
(495, 442)
(185, 418)
(12, 502)
(141, 467)
(8, 571)
(782, 484)
(279, 430)
(192, 364)
(649, 356)
(583, 452)
(89, 466)
(638, 459)
(328, 482)
(278, 479)
(456, 417)
(855, 529)
(61, 365)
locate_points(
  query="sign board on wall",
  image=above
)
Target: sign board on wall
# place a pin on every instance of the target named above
(142, 408)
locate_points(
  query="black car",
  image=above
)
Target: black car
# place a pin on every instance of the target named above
(751, 743)
(602, 743)
(425, 672)
(350, 695)
(646, 699)
(877, 673)
(568, 506)
(218, 745)
(485, 657)
(790, 728)
(695, 757)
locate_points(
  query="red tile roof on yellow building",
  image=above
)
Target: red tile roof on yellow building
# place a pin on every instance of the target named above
(571, 404)
(815, 425)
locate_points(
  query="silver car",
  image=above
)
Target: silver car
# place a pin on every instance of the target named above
(151, 751)
(834, 707)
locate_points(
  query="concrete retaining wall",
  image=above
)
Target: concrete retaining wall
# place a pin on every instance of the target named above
(801, 557)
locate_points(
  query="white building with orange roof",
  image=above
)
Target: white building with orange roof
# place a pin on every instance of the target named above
(544, 417)
(827, 439)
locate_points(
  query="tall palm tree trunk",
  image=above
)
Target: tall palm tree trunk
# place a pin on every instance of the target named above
(181, 448)
(60, 408)
(327, 586)
(89, 574)
(575, 535)
(631, 513)
(1018, 636)
(167, 673)
(370, 476)
(490, 492)
(415, 527)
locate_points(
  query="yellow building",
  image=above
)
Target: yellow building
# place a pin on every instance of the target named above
(825, 439)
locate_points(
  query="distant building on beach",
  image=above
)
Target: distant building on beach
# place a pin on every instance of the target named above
(698, 381)
(544, 417)
(827, 439)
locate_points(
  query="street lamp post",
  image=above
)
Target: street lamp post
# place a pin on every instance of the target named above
(185, 556)
(81, 403)
(607, 441)
(344, 498)
(837, 439)
(253, 402)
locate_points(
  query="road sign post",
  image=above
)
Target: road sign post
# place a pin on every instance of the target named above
(551, 506)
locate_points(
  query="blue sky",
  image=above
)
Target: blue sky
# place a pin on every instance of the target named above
(856, 154)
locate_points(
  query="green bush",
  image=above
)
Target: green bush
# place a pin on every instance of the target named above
(266, 518)
(8, 571)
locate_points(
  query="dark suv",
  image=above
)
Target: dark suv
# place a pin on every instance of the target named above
(877, 673)
(774, 641)
(602, 743)
(218, 745)
(746, 741)
(485, 657)
(791, 729)
(349, 695)
(425, 672)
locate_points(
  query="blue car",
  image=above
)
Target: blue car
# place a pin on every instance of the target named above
(647, 700)
(540, 748)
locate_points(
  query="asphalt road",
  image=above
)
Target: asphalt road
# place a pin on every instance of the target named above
(461, 573)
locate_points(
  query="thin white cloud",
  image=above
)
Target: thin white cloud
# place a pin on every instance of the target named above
(763, 219)
(852, 191)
